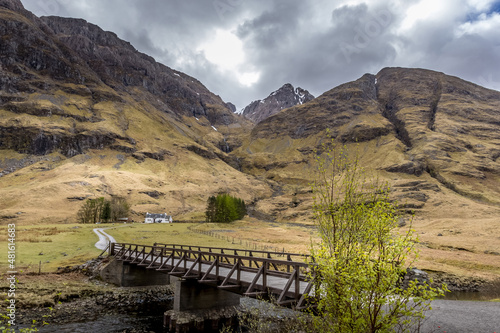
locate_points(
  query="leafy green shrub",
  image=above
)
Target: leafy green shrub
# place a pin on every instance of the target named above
(362, 257)
(102, 210)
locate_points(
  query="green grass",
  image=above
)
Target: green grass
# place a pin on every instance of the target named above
(175, 233)
(72, 244)
(53, 245)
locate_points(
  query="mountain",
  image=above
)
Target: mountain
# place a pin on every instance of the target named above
(283, 98)
(435, 138)
(435, 124)
(84, 114)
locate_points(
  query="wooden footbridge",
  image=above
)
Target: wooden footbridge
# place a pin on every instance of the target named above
(281, 277)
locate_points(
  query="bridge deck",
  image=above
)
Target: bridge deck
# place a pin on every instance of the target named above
(285, 281)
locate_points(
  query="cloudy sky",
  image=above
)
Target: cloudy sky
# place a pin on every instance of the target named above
(243, 50)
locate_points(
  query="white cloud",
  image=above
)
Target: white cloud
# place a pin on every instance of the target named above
(225, 50)
(426, 10)
(485, 25)
(249, 79)
(480, 5)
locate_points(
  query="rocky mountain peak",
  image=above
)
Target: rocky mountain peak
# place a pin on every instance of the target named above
(14, 5)
(285, 97)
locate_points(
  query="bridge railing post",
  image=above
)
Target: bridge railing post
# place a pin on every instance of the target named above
(264, 274)
(217, 267)
(297, 282)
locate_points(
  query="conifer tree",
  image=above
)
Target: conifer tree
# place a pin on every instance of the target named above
(224, 208)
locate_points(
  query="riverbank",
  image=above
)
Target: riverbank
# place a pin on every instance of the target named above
(104, 308)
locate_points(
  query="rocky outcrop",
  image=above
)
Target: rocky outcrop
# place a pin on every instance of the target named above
(29, 53)
(119, 65)
(283, 98)
(14, 5)
(415, 274)
(35, 141)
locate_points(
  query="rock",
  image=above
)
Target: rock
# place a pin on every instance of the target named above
(231, 106)
(76, 198)
(457, 283)
(418, 196)
(409, 167)
(153, 194)
(201, 321)
(415, 274)
(15, 5)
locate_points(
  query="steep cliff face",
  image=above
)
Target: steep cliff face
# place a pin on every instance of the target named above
(450, 128)
(72, 70)
(14, 5)
(285, 97)
(30, 55)
(120, 66)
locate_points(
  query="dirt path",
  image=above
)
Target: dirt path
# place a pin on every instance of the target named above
(104, 238)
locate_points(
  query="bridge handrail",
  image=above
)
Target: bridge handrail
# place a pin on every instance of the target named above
(290, 263)
(233, 249)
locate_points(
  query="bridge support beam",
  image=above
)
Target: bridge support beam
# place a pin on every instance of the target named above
(125, 274)
(191, 295)
(200, 308)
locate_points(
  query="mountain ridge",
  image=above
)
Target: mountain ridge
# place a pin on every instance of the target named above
(447, 136)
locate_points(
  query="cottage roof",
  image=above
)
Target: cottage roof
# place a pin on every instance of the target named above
(157, 216)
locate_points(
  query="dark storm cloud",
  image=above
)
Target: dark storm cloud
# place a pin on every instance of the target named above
(316, 44)
(351, 44)
(274, 27)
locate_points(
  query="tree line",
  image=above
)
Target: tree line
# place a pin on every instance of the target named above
(103, 210)
(225, 208)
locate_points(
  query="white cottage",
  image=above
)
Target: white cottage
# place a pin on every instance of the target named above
(158, 218)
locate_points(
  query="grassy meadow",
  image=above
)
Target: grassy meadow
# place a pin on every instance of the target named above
(59, 245)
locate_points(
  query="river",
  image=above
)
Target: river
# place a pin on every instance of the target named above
(111, 323)
(446, 316)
